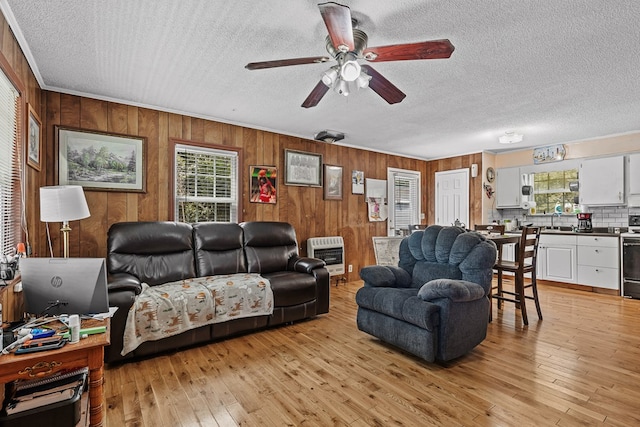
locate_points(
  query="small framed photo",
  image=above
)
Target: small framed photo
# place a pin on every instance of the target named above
(357, 182)
(101, 161)
(263, 181)
(302, 168)
(34, 141)
(332, 182)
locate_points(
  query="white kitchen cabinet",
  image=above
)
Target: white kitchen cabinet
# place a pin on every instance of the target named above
(602, 181)
(633, 198)
(557, 258)
(598, 261)
(508, 188)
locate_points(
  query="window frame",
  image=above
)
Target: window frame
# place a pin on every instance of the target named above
(19, 187)
(205, 146)
(414, 205)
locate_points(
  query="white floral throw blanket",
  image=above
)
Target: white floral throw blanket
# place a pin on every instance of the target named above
(172, 308)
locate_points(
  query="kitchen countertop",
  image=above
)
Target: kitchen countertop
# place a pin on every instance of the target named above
(597, 231)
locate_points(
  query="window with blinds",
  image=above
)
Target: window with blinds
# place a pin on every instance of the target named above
(206, 184)
(10, 149)
(405, 199)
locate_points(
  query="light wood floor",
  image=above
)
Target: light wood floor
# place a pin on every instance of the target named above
(579, 366)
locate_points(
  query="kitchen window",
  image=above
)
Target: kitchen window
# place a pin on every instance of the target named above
(551, 188)
(206, 184)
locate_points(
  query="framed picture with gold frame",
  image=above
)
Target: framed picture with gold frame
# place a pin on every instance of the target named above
(332, 182)
(34, 139)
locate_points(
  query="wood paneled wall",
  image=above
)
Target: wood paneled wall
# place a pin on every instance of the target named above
(303, 207)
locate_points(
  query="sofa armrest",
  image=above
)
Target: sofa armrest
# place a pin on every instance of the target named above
(385, 276)
(123, 282)
(455, 290)
(305, 264)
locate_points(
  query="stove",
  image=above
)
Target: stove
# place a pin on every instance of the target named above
(630, 244)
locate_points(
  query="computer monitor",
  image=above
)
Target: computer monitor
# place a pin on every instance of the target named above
(54, 286)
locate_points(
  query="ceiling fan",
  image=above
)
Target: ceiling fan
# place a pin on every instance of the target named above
(346, 45)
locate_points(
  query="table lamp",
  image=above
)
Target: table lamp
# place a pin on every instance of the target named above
(63, 203)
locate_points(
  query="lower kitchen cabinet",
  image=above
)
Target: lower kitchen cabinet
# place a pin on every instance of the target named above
(557, 258)
(598, 261)
(583, 259)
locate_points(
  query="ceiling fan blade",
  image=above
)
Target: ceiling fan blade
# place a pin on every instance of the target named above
(337, 18)
(316, 95)
(434, 49)
(384, 87)
(286, 62)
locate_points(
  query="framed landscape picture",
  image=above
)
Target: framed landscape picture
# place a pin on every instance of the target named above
(101, 161)
(303, 168)
(34, 139)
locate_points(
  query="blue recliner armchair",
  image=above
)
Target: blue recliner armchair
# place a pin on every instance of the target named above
(435, 303)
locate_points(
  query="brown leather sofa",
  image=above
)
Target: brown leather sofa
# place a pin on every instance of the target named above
(161, 252)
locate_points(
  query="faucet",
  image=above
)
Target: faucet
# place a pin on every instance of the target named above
(553, 215)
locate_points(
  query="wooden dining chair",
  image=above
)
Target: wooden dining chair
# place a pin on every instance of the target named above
(525, 262)
(491, 228)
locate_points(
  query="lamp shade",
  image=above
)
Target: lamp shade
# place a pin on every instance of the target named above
(63, 203)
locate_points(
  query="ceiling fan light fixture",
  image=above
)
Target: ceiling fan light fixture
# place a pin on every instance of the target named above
(510, 137)
(330, 76)
(342, 87)
(350, 69)
(363, 80)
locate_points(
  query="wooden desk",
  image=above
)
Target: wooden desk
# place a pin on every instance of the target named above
(87, 352)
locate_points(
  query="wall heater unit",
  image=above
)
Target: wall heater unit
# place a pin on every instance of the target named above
(330, 250)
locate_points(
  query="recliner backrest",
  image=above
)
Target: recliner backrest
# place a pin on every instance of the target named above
(218, 248)
(269, 245)
(448, 252)
(155, 252)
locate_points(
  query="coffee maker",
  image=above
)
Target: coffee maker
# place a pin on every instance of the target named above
(584, 222)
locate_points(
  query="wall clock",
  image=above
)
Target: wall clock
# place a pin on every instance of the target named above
(491, 174)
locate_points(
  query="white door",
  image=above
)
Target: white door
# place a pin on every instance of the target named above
(403, 188)
(452, 197)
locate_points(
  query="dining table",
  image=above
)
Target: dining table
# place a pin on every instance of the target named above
(503, 239)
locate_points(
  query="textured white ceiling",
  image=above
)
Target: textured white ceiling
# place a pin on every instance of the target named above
(555, 71)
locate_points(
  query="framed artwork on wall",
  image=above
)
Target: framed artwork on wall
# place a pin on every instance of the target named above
(302, 168)
(34, 140)
(332, 182)
(263, 181)
(101, 161)
(357, 182)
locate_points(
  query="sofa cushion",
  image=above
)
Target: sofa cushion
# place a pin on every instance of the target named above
(218, 248)
(291, 288)
(269, 245)
(455, 290)
(399, 303)
(424, 272)
(155, 252)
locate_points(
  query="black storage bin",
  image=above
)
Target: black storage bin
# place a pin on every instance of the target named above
(60, 414)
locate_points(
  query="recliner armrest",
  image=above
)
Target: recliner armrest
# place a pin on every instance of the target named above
(124, 281)
(305, 264)
(455, 290)
(385, 276)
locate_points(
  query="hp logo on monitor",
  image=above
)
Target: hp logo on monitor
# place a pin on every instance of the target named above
(56, 281)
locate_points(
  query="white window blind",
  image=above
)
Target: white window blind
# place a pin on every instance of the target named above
(206, 184)
(9, 166)
(405, 200)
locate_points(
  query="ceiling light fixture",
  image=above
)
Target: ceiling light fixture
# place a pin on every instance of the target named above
(329, 136)
(347, 76)
(510, 137)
